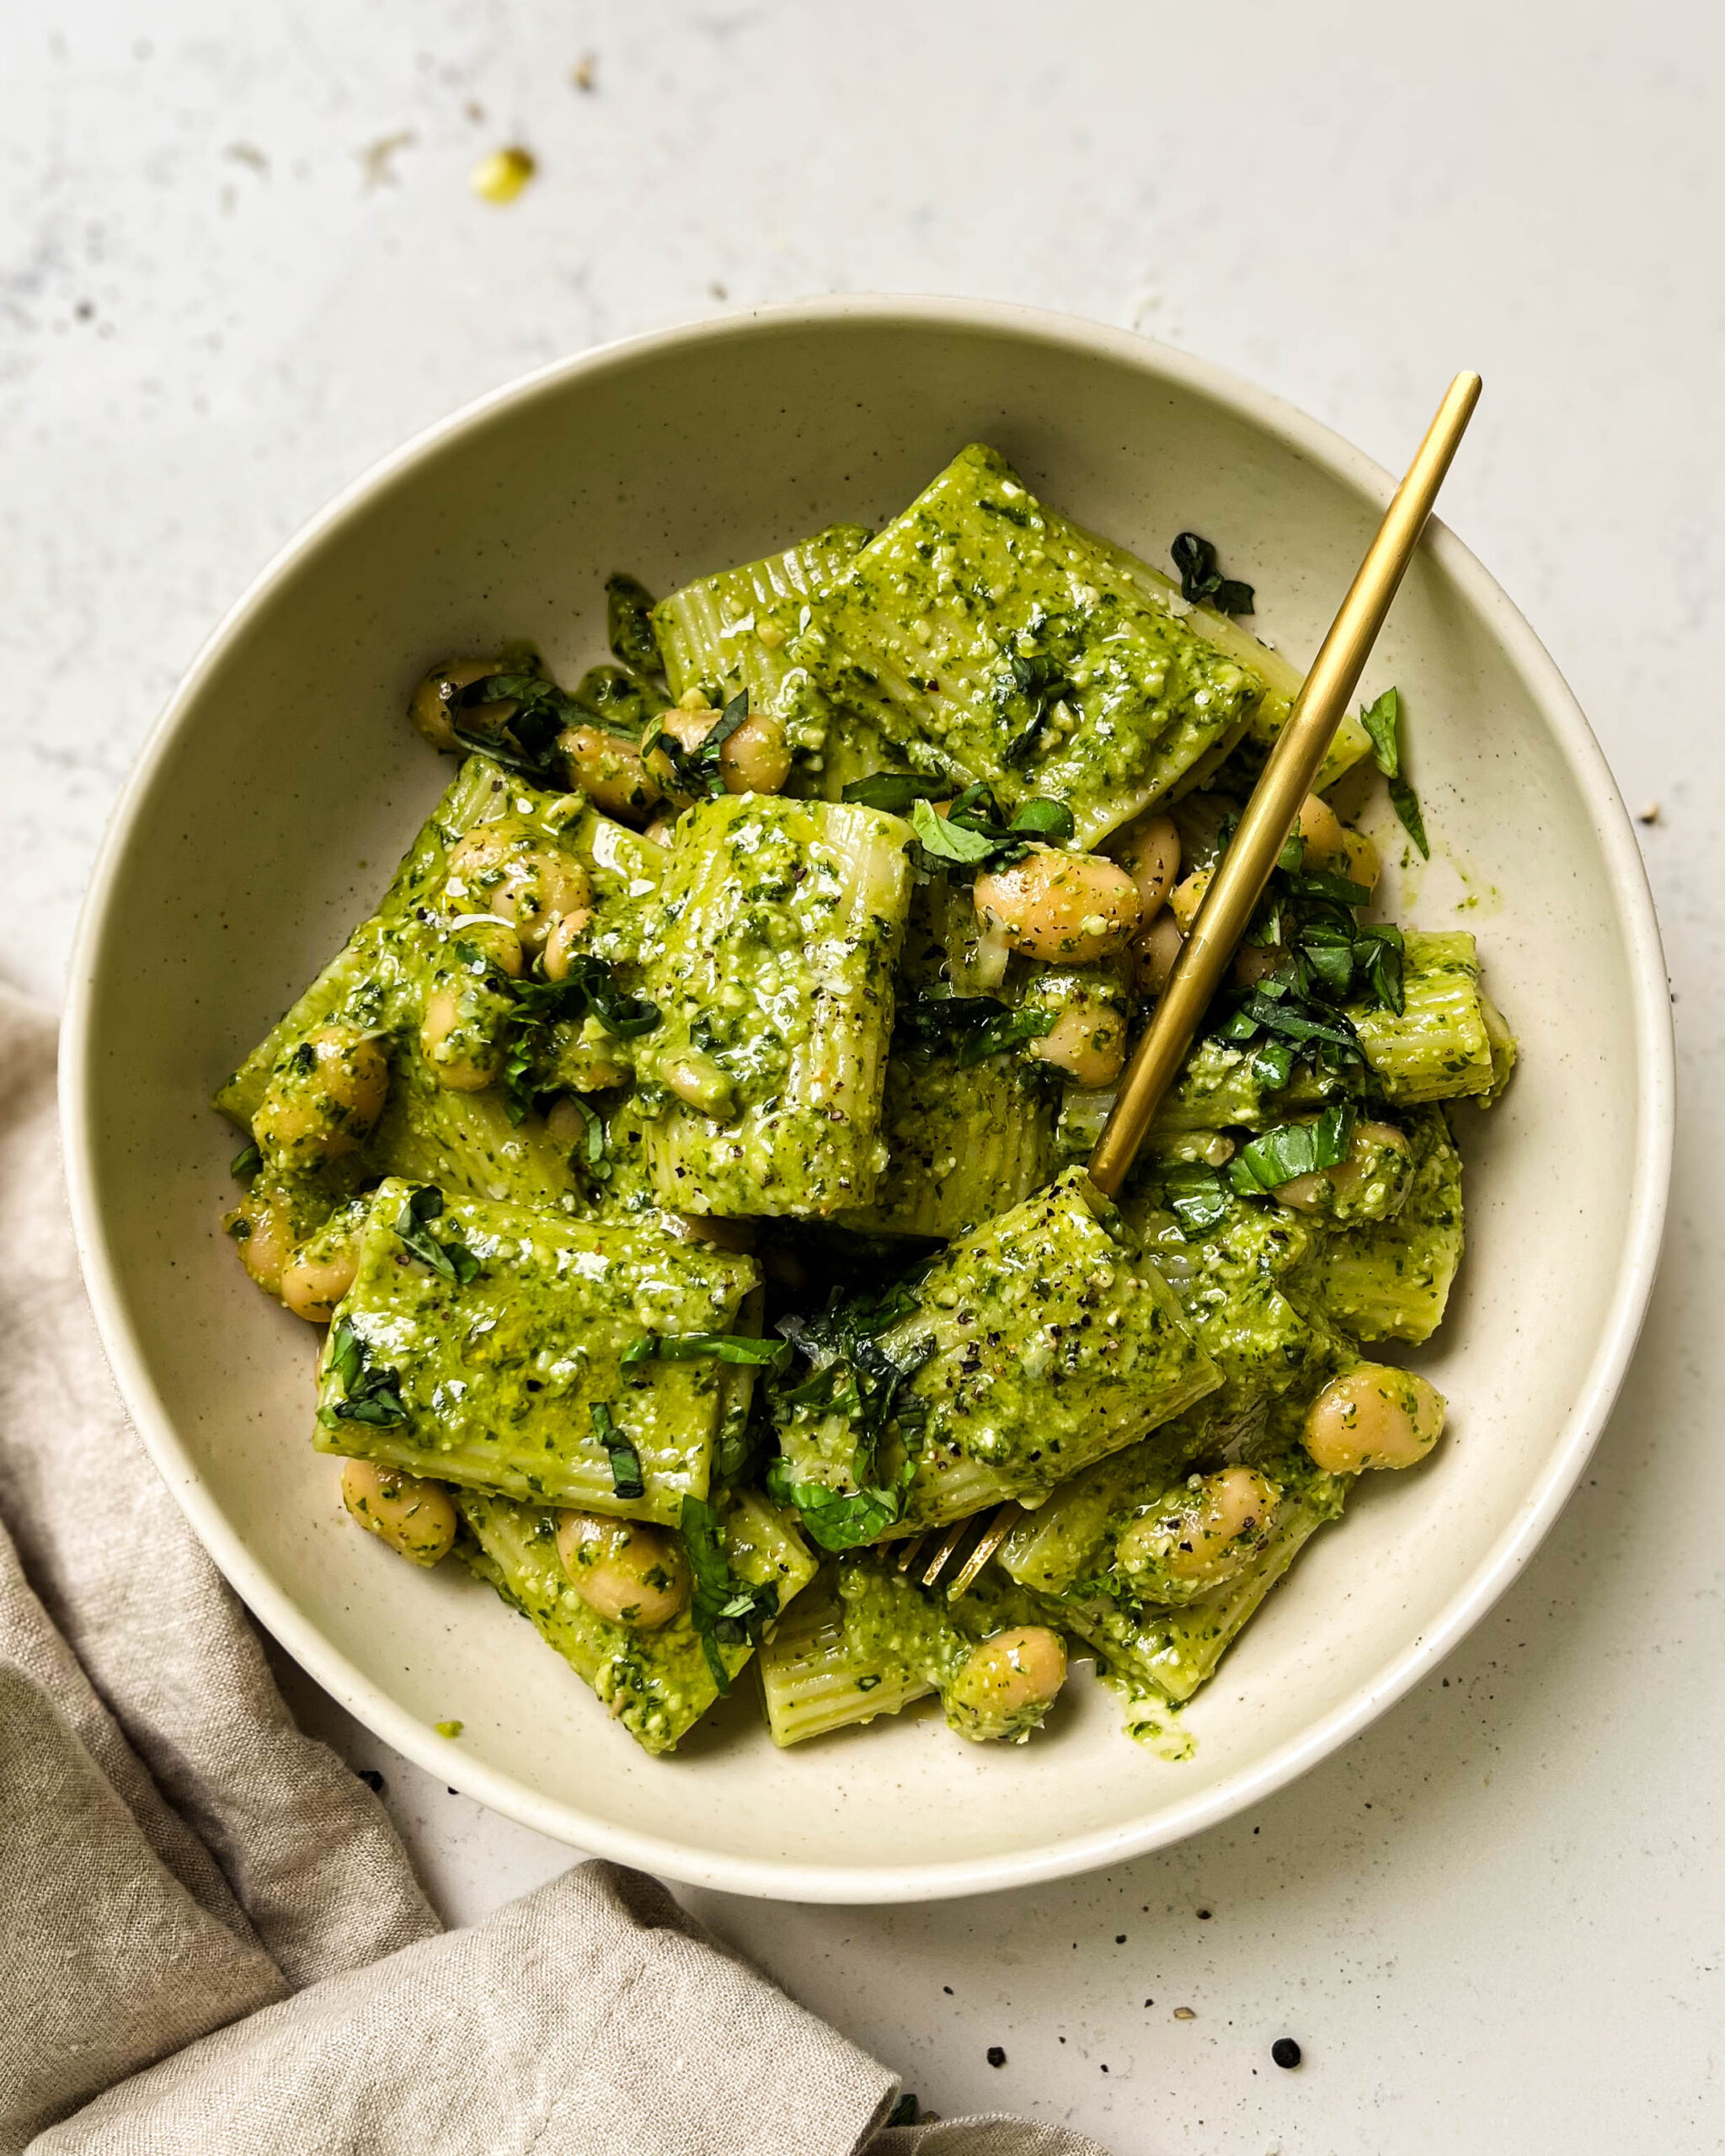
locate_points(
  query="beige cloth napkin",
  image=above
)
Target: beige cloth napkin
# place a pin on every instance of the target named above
(210, 1939)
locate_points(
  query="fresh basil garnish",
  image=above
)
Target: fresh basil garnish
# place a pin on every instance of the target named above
(1406, 804)
(625, 1477)
(726, 1611)
(697, 772)
(700, 1346)
(526, 741)
(1028, 686)
(1292, 1150)
(840, 1520)
(590, 985)
(628, 623)
(245, 1163)
(1043, 818)
(1201, 583)
(1194, 1195)
(1382, 722)
(970, 1028)
(897, 792)
(946, 839)
(974, 835)
(852, 1375)
(449, 1257)
(372, 1392)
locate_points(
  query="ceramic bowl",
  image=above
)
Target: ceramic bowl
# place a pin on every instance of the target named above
(283, 781)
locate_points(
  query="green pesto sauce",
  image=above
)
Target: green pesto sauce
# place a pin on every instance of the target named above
(1390, 1279)
(1052, 1343)
(747, 628)
(657, 1682)
(769, 954)
(963, 1143)
(906, 1640)
(992, 640)
(498, 1377)
(1170, 1651)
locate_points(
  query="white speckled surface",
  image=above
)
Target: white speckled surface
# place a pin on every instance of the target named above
(1496, 1921)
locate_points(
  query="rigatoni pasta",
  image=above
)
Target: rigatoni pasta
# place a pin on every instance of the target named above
(686, 1156)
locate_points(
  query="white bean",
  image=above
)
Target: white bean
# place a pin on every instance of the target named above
(429, 706)
(323, 1098)
(417, 1518)
(609, 770)
(1216, 1525)
(626, 1572)
(1376, 1416)
(1155, 953)
(560, 944)
(756, 758)
(1056, 906)
(1006, 1684)
(1149, 850)
(1086, 1041)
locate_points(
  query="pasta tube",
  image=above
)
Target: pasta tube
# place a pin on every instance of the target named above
(769, 957)
(485, 1344)
(658, 1683)
(995, 641)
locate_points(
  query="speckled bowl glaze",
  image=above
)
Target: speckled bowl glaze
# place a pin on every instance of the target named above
(282, 783)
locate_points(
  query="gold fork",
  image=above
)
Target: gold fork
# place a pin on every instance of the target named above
(1239, 884)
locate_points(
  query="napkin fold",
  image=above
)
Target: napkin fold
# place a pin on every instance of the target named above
(211, 1938)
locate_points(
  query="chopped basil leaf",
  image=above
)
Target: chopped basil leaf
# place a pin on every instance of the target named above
(1281, 1014)
(591, 1149)
(625, 1477)
(372, 1393)
(526, 740)
(1406, 804)
(1378, 952)
(628, 623)
(697, 772)
(1340, 890)
(245, 1163)
(970, 1028)
(725, 1610)
(1200, 582)
(347, 1358)
(853, 1375)
(1195, 1195)
(840, 1520)
(1029, 688)
(972, 833)
(1045, 819)
(698, 1346)
(948, 841)
(897, 792)
(1292, 1150)
(1272, 1064)
(450, 1258)
(590, 985)
(1382, 721)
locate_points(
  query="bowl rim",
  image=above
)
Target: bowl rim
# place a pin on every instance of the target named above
(786, 1880)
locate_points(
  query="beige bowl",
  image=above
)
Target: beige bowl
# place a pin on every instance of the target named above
(282, 782)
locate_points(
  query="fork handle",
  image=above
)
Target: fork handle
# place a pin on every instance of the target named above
(1282, 786)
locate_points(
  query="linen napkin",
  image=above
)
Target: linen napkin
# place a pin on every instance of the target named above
(210, 1939)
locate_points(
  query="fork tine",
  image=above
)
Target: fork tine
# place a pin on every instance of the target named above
(1006, 1517)
(907, 1553)
(948, 1542)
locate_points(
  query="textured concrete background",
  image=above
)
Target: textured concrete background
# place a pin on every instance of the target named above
(239, 259)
